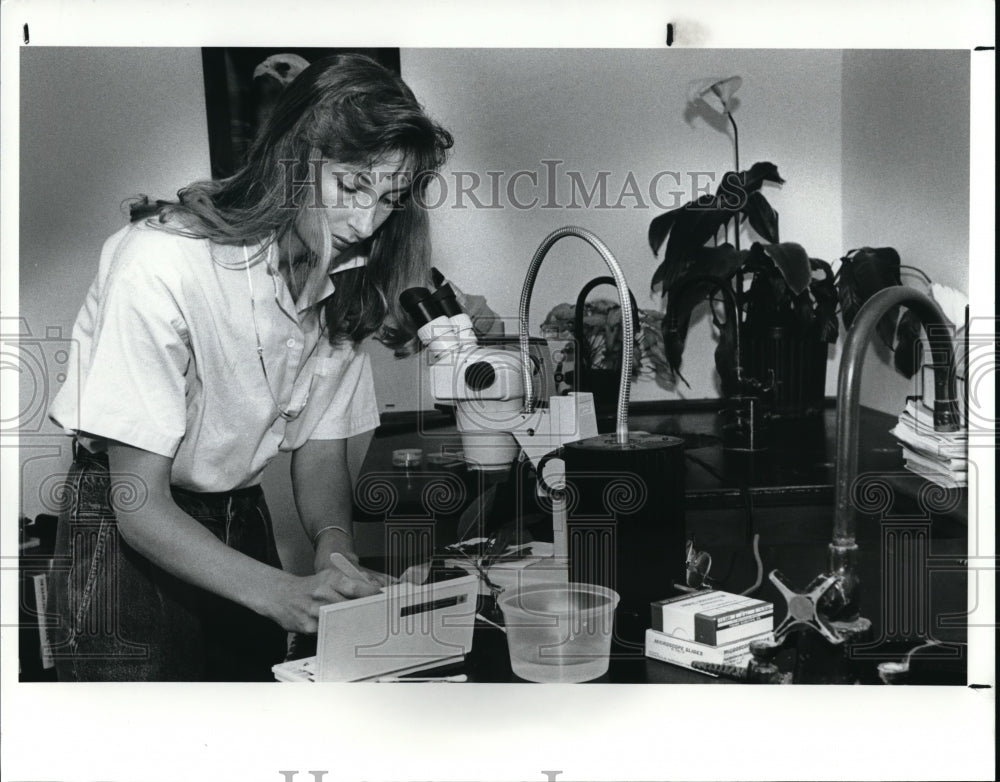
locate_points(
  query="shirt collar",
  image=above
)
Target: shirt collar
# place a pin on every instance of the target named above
(350, 263)
(321, 285)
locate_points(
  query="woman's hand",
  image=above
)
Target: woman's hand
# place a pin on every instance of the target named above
(327, 559)
(296, 600)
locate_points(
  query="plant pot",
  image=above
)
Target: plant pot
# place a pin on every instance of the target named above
(603, 384)
(794, 362)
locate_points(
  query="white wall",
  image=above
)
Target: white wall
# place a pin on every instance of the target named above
(905, 117)
(97, 126)
(621, 111)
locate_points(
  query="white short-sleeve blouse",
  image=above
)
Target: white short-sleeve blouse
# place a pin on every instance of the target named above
(164, 357)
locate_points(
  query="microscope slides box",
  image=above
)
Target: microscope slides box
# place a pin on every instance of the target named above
(666, 648)
(712, 617)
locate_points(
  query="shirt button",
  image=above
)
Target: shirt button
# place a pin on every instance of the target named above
(291, 343)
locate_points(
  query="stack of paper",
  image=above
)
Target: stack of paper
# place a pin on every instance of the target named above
(941, 457)
(295, 670)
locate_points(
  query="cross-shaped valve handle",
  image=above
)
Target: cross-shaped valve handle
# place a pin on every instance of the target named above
(803, 608)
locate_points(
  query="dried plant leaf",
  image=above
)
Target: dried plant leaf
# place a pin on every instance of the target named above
(718, 264)
(762, 217)
(793, 263)
(824, 293)
(759, 173)
(659, 227)
(863, 273)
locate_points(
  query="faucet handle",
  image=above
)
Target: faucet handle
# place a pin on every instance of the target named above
(765, 652)
(803, 608)
(763, 667)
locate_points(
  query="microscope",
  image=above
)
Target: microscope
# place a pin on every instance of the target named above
(486, 385)
(482, 381)
(617, 499)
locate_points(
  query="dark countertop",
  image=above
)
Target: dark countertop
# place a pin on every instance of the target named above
(783, 495)
(795, 470)
(896, 628)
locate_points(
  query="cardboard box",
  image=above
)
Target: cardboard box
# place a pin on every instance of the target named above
(712, 617)
(666, 648)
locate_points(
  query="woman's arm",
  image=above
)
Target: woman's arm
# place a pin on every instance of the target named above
(321, 484)
(159, 530)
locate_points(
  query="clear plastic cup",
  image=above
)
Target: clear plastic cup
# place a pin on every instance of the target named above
(559, 632)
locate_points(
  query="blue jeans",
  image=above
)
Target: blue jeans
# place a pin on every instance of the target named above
(123, 618)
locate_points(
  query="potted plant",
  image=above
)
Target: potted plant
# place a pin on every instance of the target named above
(867, 270)
(590, 358)
(784, 302)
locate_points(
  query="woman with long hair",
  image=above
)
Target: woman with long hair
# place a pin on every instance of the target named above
(222, 328)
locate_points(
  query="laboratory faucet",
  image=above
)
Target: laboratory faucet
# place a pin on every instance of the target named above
(628, 325)
(831, 603)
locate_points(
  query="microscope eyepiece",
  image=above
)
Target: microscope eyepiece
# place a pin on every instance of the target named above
(420, 305)
(446, 299)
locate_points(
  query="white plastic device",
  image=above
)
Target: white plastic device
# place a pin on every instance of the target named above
(403, 629)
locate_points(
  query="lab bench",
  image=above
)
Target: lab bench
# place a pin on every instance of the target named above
(785, 491)
(782, 498)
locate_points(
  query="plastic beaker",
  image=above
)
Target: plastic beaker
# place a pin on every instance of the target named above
(559, 632)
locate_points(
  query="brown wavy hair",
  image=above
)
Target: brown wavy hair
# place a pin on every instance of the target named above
(355, 112)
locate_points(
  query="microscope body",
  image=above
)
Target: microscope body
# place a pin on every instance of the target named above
(486, 385)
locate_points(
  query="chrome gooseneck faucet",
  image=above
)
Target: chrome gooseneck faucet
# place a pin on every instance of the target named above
(844, 546)
(849, 388)
(834, 609)
(628, 327)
